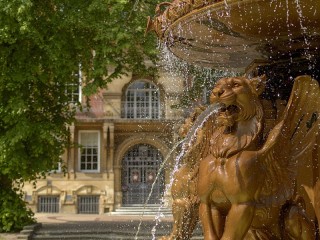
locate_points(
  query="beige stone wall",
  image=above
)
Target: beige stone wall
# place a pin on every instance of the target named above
(117, 135)
(69, 189)
(113, 95)
(173, 87)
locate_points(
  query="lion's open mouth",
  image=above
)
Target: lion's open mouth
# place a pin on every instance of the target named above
(229, 110)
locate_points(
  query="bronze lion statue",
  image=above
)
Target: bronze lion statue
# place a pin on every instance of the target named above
(245, 184)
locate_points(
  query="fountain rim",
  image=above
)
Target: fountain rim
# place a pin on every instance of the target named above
(171, 26)
(166, 36)
(193, 14)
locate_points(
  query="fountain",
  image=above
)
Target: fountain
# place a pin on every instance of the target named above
(244, 180)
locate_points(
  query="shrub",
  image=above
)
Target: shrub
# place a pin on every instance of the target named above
(13, 211)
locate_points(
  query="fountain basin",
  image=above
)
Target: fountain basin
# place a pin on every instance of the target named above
(232, 33)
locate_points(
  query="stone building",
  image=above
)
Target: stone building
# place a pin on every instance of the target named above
(120, 143)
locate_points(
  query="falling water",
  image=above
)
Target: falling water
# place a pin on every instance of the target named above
(276, 6)
(154, 182)
(227, 8)
(307, 53)
(187, 142)
(289, 33)
(180, 68)
(171, 64)
(203, 117)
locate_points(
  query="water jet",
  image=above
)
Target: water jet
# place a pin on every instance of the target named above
(250, 174)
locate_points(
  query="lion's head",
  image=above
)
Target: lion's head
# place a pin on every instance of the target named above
(239, 99)
(239, 120)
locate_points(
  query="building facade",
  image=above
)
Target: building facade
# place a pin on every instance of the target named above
(120, 144)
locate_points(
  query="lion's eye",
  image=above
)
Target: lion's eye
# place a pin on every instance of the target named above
(236, 85)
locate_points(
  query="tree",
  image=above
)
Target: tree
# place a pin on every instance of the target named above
(42, 46)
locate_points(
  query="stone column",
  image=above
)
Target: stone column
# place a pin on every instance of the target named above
(104, 150)
(111, 148)
(117, 186)
(71, 154)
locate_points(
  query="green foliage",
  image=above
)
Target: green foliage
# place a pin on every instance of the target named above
(13, 212)
(42, 44)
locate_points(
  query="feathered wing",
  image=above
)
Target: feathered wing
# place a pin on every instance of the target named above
(292, 137)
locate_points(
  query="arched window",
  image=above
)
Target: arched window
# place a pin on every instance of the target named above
(142, 100)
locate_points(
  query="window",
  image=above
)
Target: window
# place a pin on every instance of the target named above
(73, 89)
(142, 100)
(89, 152)
(88, 204)
(57, 168)
(48, 204)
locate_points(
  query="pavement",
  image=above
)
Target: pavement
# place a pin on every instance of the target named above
(65, 218)
(53, 219)
(8, 236)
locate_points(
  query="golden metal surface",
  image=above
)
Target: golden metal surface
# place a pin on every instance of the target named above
(246, 184)
(232, 33)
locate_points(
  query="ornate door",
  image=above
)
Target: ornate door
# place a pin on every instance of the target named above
(140, 166)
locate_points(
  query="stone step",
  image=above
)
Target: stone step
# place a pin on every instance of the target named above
(142, 206)
(141, 210)
(107, 230)
(102, 237)
(86, 236)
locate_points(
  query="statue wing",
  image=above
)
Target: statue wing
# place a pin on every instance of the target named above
(292, 137)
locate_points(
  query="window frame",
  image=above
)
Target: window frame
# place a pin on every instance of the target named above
(48, 203)
(58, 169)
(134, 93)
(92, 205)
(75, 96)
(81, 148)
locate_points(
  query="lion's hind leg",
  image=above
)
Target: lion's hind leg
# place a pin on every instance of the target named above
(295, 223)
(212, 221)
(185, 217)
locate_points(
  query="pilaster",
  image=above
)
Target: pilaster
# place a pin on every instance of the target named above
(111, 148)
(104, 150)
(71, 155)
